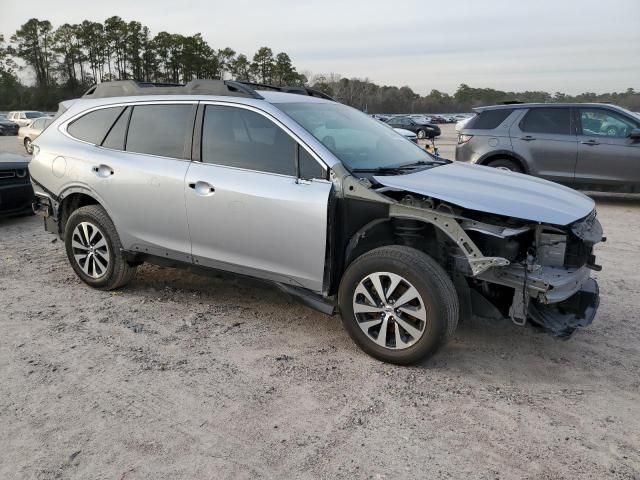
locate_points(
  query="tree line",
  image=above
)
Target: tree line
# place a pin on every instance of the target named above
(65, 61)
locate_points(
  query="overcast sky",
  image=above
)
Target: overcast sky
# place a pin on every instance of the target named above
(554, 45)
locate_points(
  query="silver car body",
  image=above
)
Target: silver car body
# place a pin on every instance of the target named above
(281, 228)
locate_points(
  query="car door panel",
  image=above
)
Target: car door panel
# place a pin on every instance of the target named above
(606, 155)
(259, 224)
(247, 211)
(145, 194)
(548, 154)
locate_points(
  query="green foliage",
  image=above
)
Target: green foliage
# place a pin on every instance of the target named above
(373, 98)
(66, 61)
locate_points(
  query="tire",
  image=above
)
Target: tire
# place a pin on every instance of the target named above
(506, 164)
(103, 247)
(435, 300)
(612, 132)
(422, 134)
(28, 146)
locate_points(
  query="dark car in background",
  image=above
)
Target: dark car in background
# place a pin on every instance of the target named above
(7, 127)
(589, 146)
(420, 128)
(16, 192)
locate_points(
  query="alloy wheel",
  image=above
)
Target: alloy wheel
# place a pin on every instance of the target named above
(27, 145)
(90, 249)
(389, 310)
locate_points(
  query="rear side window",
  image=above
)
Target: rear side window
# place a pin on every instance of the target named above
(547, 120)
(93, 126)
(241, 138)
(489, 119)
(159, 130)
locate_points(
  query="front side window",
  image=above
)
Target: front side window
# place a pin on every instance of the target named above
(159, 130)
(547, 120)
(603, 123)
(356, 139)
(93, 126)
(237, 137)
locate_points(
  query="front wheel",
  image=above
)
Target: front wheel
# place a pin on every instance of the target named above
(398, 304)
(422, 134)
(505, 164)
(94, 249)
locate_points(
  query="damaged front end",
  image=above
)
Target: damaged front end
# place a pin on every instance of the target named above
(502, 266)
(549, 277)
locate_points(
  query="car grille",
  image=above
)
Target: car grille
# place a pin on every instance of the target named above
(10, 129)
(15, 176)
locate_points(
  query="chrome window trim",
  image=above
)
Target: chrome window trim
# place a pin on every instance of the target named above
(64, 125)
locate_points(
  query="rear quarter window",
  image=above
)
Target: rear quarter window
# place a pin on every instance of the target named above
(489, 119)
(93, 126)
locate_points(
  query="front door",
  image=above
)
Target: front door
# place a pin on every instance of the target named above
(247, 210)
(606, 154)
(545, 138)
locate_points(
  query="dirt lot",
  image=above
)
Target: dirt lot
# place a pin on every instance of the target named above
(180, 376)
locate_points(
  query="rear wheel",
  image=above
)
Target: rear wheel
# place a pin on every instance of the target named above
(94, 249)
(398, 304)
(506, 164)
(422, 134)
(28, 146)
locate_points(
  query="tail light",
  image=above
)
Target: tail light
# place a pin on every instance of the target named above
(464, 138)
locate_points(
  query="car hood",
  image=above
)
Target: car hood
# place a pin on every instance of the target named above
(500, 192)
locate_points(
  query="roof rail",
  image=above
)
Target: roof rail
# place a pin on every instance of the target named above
(127, 88)
(297, 90)
(228, 88)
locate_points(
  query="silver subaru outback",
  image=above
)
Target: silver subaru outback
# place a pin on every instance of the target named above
(341, 212)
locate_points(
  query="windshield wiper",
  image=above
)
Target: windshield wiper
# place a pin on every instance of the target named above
(377, 170)
(398, 168)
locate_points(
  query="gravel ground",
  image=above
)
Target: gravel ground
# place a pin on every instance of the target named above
(181, 376)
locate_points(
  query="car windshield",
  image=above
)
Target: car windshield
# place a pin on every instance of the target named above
(359, 141)
(31, 115)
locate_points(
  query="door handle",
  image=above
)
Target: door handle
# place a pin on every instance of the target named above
(527, 138)
(590, 142)
(202, 188)
(103, 170)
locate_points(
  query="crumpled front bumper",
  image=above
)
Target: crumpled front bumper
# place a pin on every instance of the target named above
(563, 318)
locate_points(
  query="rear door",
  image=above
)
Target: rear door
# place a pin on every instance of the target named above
(138, 169)
(545, 138)
(248, 212)
(606, 154)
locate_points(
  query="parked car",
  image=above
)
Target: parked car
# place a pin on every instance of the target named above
(24, 117)
(585, 146)
(421, 118)
(291, 187)
(7, 127)
(382, 118)
(408, 134)
(420, 128)
(16, 192)
(26, 135)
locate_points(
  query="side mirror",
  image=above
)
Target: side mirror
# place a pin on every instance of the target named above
(635, 134)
